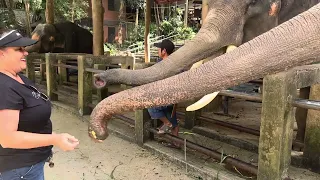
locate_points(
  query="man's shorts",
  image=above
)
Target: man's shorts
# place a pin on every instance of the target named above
(164, 111)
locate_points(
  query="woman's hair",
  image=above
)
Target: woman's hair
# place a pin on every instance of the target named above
(3, 31)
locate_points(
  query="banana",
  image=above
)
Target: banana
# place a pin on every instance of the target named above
(209, 97)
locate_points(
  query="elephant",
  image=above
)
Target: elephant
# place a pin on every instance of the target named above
(228, 22)
(231, 22)
(63, 37)
(293, 43)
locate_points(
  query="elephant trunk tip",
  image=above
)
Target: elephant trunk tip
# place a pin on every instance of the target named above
(99, 82)
(97, 128)
(96, 135)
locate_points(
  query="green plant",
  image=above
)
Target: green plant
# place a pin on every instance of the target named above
(175, 25)
(111, 48)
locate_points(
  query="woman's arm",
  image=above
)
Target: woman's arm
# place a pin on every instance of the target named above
(11, 138)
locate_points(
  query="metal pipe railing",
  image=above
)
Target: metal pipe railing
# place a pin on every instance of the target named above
(212, 153)
(306, 104)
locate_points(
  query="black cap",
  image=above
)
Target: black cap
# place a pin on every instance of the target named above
(15, 39)
(166, 44)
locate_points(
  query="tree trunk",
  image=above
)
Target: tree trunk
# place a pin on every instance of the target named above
(50, 11)
(169, 11)
(121, 19)
(156, 10)
(274, 51)
(27, 8)
(137, 19)
(147, 31)
(72, 15)
(97, 19)
(162, 8)
(205, 9)
(186, 12)
(12, 17)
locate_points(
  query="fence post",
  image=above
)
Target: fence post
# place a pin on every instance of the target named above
(51, 76)
(62, 72)
(142, 124)
(214, 106)
(129, 64)
(312, 134)
(42, 70)
(301, 115)
(101, 93)
(30, 69)
(276, 130)
(84, 85)
(190, 118)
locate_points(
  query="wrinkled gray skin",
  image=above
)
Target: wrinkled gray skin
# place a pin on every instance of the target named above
(293, 43)
(228, 22)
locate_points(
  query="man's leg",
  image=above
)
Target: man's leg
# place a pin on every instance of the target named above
(159, 113)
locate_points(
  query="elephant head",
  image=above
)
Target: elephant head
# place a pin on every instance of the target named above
(230, 22)
(46, 35)
(293, 43)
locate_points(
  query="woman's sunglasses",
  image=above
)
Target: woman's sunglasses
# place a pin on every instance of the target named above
(37, 93)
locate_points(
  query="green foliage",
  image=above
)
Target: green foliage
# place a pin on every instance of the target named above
(63, 8)
(5, 19)
(134, 3)
(111, 48)
(175, 26)
(138, 34)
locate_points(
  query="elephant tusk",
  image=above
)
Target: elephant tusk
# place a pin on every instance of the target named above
(202, 102)
(205, 100)
(231, 48)
(197, 64)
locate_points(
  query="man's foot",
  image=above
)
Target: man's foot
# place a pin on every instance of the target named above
(165, 128)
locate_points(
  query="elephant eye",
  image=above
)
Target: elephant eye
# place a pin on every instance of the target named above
(253, 2)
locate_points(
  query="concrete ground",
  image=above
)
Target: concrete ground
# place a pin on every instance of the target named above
(87, 161)
(113, 159)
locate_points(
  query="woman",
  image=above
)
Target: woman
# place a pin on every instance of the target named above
(26, 137)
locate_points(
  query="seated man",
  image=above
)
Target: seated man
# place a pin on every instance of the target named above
(167, 114)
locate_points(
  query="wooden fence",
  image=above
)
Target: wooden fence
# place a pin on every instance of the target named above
(279, 99)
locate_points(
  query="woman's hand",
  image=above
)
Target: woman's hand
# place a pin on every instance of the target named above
(65, 141)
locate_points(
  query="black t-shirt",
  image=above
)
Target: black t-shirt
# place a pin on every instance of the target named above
(34, 117)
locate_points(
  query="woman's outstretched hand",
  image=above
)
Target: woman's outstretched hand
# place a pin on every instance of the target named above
(65, 141)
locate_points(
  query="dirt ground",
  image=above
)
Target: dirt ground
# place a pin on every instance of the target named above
(113, 159)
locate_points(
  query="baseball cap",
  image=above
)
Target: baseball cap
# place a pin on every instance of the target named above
(15, 39)
(165, 44)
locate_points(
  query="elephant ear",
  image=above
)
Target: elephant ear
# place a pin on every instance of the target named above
(209, 97)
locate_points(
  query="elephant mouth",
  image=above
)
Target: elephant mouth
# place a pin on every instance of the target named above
(99, 82)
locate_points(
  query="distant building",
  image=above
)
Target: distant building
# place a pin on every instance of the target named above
(111, 20)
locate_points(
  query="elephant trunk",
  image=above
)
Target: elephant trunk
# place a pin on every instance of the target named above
(291, 44)
(35, 47)
(214, 35)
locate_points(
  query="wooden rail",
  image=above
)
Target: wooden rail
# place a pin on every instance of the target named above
(278, 102)
(86, 65)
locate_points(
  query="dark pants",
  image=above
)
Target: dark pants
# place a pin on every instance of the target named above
(164, 111)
